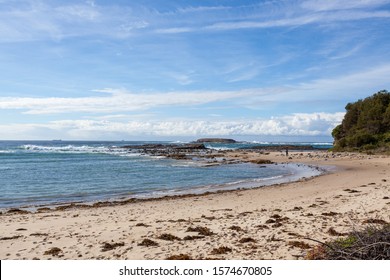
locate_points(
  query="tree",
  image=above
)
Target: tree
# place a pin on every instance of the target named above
(366, 123)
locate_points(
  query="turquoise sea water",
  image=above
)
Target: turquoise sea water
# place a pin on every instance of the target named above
(36, 173)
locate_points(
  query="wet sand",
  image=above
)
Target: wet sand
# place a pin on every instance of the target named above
(265, 223)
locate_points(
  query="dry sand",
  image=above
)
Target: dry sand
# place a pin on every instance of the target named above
(262, 223)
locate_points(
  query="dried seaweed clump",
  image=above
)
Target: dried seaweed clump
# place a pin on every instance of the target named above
(201, 230)
(54, 251)
(180, 257)
(372, 243)
(168, 237)
(111, 246)
(221, 250)
(147, 243)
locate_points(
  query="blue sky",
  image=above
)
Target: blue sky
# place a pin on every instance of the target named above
(259, 70)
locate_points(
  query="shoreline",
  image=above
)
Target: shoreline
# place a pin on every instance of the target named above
(261, 223)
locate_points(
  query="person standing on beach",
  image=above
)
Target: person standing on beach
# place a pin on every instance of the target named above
(286, 152)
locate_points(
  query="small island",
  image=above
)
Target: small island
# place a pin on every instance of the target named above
(216, 140)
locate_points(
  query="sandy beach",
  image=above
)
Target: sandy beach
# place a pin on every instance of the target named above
(265, 223)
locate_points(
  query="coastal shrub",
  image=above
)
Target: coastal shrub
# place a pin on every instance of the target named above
(371, 243)
(366, 125)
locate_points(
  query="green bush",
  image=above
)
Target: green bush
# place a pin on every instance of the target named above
(366, 124)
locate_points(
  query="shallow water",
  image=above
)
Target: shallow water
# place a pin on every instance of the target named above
(34, 173)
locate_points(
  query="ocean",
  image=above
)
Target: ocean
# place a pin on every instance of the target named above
(48, 173)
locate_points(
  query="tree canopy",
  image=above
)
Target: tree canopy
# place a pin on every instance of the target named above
(366, 124)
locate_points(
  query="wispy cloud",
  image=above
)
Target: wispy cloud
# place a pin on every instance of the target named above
(121, 100)
(39, 20)
(117, 101)
(36, 20)
(330, 5)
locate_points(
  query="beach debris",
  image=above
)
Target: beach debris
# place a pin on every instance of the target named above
(201, 230)
(386, 197)
(180, 257)
(262, 227)
(246, 240)
(333, 232)
(54, 251)
(177, 221)
(330, 214)
(11, 237)
(273, 238)
(294, 234)
(244, 214)
(17, 211)
(277, 224)
(371, 243)
(111, 246)
(351, 191)
(299, 244)
(236, 228)
(168, 237)
(276, 216)
(226, 209)
(147, 243)
(193, 237)
(375, 221)
(43, 209)
(221, 250)
(142, 225)
(39, 234)
(208, 218)
(21, 229)
(261, 161)
(296, 208)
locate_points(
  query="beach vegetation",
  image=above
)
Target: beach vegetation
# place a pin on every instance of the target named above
(366, 125)
(370, 243)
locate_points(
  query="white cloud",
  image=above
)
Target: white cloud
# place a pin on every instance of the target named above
(315, 124)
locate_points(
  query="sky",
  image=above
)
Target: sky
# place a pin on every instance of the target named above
(151, 69)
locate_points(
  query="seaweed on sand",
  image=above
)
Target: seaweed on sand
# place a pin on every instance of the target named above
(201, 230)
(147, 243)
(54, 251)
(111, 246)
(180, 257)
(221, 250)
(168, 237)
